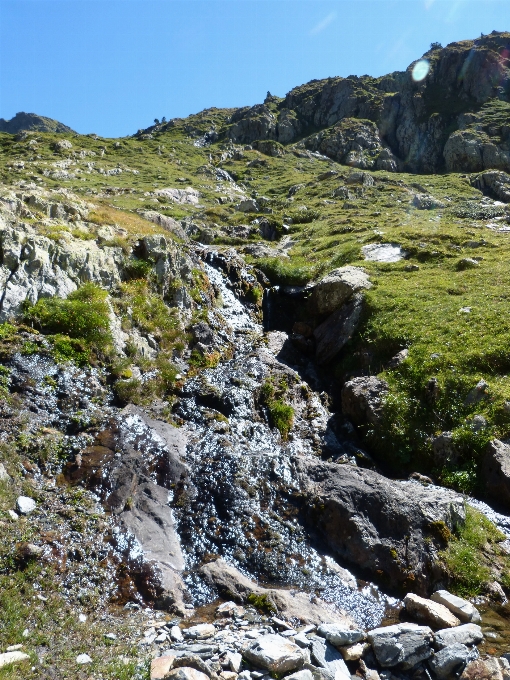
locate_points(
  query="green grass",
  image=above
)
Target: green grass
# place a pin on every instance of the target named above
(468, 556)
(83, 315)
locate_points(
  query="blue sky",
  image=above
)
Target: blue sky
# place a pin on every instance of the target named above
(112, 66)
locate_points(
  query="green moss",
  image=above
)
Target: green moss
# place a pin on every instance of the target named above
(281, 414)
(262, 603)
(466, 557)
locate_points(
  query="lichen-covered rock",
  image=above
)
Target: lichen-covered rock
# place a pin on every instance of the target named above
(330, 293)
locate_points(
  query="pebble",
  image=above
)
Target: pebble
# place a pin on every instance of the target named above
(110, 636)
(13, 515)
(25, 505)
(82, 618)
(14, 648)
(83, 659)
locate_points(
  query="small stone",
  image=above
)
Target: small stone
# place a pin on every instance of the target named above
(110, 636)
(235, 662)
(463, 609)
(228, 675)
(3, 473)
(185, 674)
(162, 637)
(14, 648)
(25, 505)
(26, 633)
(354, 652)
(160, 666)
(83, 659)
(430, 612)
(12, 657)
(82, 618)
(176, 634)
(305, 674)
(302, 641)
(274, 653)
(288, 633)
(468, 634)
(340, 635)
(13, 515)
(200, 631)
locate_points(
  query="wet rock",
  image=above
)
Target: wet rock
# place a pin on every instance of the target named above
(487, 668)
(450, 661)
(337, 330)
(291, 604)
(337, 287)
(467, 634)
(11, 658)
(403, 645)
(25, 505)
(463, 610)
(274, 653)
(340, 635)
(160, 666)
(363, 517)
(430, 613)
(362, 399)
(495, 472)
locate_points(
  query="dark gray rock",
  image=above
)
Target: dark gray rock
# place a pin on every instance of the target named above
(362, 399)
(468, 634)
(403, 645)
(382, 526)
(331, 335)
(451, 661)
(496, 473)
(325, 656)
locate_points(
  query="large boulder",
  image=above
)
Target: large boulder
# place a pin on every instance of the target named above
(463, 609)
(290, 604)
(383, 526)
(362, 399)
(428, 612)
(496, 473)
(403, 645)
(337, 287)
(274, 653)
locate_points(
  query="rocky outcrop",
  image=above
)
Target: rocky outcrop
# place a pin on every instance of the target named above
(292, 605)
(384, 527)
(493, 183)
(32, 122)
(395, 122)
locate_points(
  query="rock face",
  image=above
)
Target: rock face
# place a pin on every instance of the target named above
(496, 473)
(275, 654)
(380, 524)
(331, 335)
(403, 645)
(429, 612)
(493, 183)
(426, 126)
(463, 610)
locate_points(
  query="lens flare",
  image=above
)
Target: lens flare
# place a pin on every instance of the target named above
(420, 70)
